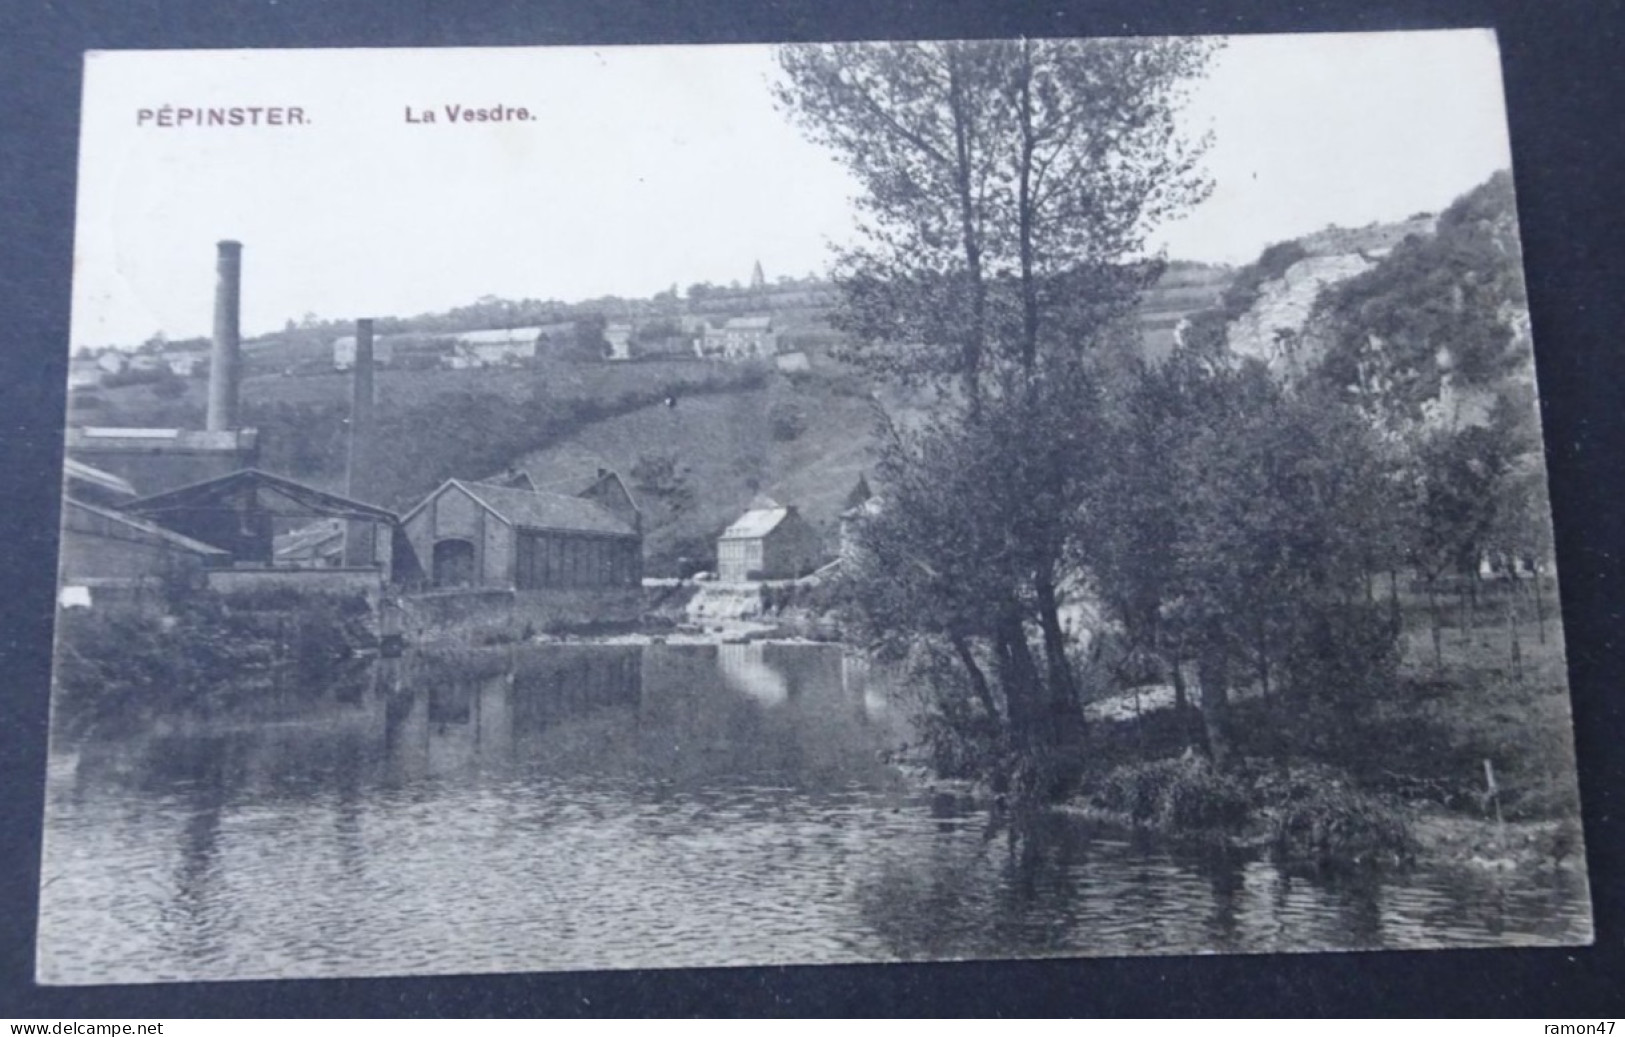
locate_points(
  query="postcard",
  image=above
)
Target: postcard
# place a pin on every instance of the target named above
(545, 509)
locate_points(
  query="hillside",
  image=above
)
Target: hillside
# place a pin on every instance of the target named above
(736, 431)
(1299, 271)
(694, 467)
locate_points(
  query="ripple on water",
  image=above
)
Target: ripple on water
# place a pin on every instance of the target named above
(583, 840)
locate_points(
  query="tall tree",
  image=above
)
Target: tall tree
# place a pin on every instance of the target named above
(1009, 187)
(1005, 184)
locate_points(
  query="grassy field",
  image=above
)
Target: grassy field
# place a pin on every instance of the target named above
(1425, 738)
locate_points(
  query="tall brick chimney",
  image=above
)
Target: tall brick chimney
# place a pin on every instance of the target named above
(359, 546)
(224, 358)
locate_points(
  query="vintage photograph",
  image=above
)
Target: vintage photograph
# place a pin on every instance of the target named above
(539, 509)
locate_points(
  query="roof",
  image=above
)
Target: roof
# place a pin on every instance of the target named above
(150, 529)
(500, 336)
(755, 523)
(144, 439)
(81, 472)
(213, 492)
(538, 509)
(574, 475)
(750, 324)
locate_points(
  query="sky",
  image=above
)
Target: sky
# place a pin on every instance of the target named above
(641, 168)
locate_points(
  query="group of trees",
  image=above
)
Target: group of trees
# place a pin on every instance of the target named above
(1005, 183)
(1231, 524)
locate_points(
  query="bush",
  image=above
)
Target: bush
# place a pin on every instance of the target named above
(169, 388)
(124, 666)
(1330, 825)
(786, 421)
(1182, 794)
(1344, 654)
(958, 738)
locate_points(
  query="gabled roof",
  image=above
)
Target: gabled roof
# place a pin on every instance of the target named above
(577, 479)
(538, 509)
(755, 523)
(151, 531)
(749, 324)
(222, 488)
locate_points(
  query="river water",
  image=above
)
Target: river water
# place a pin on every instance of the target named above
(599, 806)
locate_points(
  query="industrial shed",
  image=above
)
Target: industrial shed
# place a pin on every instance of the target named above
(102, 548)
(769, 542)
(482, 535)
(244, 512)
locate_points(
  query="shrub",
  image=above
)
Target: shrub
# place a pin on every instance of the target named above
(1329, 825)
(786, 421)
(169, 388)
(958, 738)
(208, 655)
(1182, 794)
(1344, 654)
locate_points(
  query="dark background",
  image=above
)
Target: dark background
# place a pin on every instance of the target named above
(1566, 96)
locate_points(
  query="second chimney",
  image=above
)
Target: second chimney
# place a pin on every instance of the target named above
(224, 357)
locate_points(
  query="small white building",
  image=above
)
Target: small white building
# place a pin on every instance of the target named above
(619, 337)
(383, 352)
(771, 541)
(742, 338)
(498, 347)
(84, 374)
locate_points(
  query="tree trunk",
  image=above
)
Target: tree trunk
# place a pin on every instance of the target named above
(1263, 660)
(978, 679)
(1018, 674)
(1210, 672)
(1024, 217)
(972, 347)
(1515, 650)
(1063, 686)
(1394, 614)
(1464, 620)
(1436, 623)
(1540, 605)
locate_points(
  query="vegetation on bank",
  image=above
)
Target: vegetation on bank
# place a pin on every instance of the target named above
(203, 655)
(1282, 547)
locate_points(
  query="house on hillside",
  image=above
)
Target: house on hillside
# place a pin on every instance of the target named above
(186, 362)
(84, 374)
(619, 337)
(473, 534)
(741, 338)
(500, 347)
(771, 541)
(383, 351)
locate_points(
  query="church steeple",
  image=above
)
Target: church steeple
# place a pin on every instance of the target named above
(758, 280)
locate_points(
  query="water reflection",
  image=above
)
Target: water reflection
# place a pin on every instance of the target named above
(590, 806)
